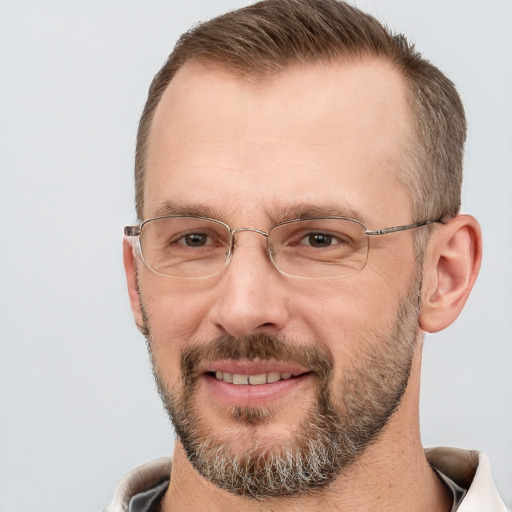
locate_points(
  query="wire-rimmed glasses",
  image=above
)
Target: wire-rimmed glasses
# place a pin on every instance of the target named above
(191, 247)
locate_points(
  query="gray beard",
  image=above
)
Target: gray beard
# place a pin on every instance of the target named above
(345, 417)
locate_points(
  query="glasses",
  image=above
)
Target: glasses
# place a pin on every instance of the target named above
(199, 247)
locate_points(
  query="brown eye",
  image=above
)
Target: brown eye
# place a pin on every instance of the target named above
(319, 240)
(194, 240)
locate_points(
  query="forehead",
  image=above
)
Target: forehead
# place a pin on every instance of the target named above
(323, 133)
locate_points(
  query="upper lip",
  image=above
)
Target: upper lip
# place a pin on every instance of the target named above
(246, 367)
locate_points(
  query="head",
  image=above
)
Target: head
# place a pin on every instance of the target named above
(288, 110)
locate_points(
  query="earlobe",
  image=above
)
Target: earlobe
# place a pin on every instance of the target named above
(451, 266)
(131, 280)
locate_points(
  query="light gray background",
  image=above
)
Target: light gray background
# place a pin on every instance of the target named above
(77, 401)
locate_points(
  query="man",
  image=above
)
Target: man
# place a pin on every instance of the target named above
(298, 176)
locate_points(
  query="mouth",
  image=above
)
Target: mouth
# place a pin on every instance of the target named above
(252, 384)
(253, 380)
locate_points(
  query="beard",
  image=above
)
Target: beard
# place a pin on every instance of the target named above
(344, 418)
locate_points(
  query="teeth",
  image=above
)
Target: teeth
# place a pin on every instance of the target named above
(258, 379)
(262, 378)
(227, 377)
(273, 377)
(240, 379)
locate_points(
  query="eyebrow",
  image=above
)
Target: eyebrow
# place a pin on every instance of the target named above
(276, 214)
(309, 211)
(168, 208)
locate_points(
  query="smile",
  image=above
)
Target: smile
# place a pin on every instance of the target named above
(254, 383)
(253, 380)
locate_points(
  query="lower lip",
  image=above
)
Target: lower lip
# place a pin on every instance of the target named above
(247, 395)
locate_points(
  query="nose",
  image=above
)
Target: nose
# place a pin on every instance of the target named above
(251, 295)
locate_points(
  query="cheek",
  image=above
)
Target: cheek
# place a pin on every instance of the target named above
(177, 313)
(347, 315)
(175, 318)
(346, 303)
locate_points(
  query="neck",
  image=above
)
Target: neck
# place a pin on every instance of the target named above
(392, 474)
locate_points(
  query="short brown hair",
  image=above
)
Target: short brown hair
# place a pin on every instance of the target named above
(272, 35)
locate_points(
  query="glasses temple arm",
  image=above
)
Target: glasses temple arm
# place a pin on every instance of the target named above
(394, 229)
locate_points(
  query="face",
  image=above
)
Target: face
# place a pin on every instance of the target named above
(260, 370)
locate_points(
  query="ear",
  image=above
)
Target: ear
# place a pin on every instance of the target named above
(130, 268)
(451, 266)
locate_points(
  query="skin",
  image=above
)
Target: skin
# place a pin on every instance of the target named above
(242, 152)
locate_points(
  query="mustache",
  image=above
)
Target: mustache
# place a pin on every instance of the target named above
(265, 347)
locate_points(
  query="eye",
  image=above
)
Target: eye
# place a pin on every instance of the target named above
(319, 240)
(322, 240)
(195, 240)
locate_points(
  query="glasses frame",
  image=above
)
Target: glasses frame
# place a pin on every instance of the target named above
(136, 231)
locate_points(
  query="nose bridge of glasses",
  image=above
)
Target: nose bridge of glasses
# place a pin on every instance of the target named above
(255, 230)
(236, 231)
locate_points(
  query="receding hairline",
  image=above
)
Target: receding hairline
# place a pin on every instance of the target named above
(262, 78)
